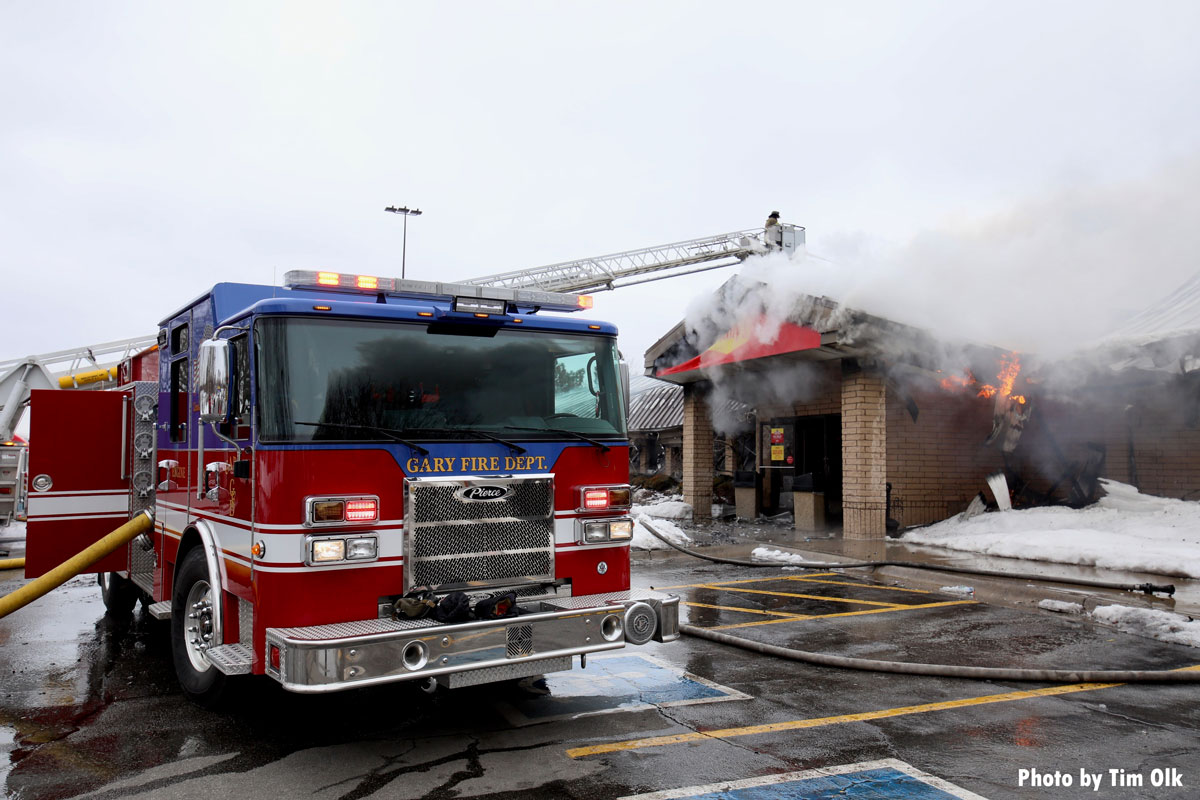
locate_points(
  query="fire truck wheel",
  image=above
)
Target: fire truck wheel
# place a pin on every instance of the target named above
(192, 630)
(120, 595)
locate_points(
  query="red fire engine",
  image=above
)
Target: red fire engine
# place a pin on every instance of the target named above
(315, 452)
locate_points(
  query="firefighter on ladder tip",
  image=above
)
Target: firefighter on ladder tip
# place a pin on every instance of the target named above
(772, 233)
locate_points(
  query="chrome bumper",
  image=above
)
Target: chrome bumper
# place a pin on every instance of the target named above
(329, 658)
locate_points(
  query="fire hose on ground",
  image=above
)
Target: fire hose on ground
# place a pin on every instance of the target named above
(11, 563)
(76, 564)
(1186, 675)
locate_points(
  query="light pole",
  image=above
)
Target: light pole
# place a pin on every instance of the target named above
(407, 212)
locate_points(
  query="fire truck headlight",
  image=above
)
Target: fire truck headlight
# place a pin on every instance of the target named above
(324, 550)
(595, 531)
(358, 549)
(620, 529)
(605, 530)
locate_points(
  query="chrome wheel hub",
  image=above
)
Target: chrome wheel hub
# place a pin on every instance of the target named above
(198, 630)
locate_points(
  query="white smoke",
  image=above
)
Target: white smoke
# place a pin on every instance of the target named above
(1049, 277)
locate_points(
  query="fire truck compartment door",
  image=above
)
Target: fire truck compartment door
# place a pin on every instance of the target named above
(78, 484)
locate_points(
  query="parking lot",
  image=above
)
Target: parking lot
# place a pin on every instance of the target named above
(89, 708)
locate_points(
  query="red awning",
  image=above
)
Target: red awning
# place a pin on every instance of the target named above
(744, 342)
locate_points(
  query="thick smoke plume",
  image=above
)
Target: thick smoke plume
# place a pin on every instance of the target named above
(1048, 278)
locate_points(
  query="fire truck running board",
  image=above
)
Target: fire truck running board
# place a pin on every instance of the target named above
(232, 659)
(160, 610)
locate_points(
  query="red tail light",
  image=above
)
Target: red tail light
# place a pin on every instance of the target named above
(595, 499)
(362, 510)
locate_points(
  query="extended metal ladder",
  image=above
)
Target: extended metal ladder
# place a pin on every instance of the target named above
(649, 263)
(57, 370)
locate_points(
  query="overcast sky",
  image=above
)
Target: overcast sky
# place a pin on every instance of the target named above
(1032, 165)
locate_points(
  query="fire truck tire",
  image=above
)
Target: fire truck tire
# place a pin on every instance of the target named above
(191, 622)
(120, 595)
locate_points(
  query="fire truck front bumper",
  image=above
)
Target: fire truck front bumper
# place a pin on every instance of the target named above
(329, 658)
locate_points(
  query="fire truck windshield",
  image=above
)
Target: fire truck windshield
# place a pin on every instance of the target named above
(347, 380)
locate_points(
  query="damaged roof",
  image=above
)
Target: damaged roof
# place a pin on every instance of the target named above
(741, 334)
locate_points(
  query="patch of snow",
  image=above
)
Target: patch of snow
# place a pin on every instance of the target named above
(1162, 625)
(968, 591)
(1124, 530)
(666, 509)
(771, 554)
(644, 540)
(1061, 606)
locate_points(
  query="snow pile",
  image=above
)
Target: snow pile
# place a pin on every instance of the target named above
(1061, 606)
(666, 509)
(644, 540)
(1124, 530)
(771, 554)
(1162, 625)
(966, 591)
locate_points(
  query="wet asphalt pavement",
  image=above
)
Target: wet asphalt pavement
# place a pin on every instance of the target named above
(89, 706)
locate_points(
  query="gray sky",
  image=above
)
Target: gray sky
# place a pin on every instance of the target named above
(1031, 165)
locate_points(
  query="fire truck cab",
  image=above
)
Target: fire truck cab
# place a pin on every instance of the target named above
(314, 452)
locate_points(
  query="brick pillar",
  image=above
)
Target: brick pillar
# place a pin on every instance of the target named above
(864, 454)
(697, 453)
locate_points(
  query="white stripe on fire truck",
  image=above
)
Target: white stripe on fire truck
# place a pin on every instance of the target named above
(124, 515)
(42, 506)
(81, 493)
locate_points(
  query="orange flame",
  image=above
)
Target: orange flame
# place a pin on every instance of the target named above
(1010, 368)
(954, 382)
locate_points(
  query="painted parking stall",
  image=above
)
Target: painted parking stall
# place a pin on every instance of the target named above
(886, 779)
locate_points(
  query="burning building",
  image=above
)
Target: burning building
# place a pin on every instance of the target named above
(878, 425)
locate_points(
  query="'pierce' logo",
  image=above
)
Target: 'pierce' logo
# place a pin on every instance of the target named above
(483, 494)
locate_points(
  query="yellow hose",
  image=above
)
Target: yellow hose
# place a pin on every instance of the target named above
(12, 563)
(76, 564)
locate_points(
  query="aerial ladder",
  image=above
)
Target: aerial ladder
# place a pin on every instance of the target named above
(600, 273)
(76, 368)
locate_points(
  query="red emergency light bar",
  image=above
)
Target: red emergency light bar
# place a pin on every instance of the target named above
(458, 293)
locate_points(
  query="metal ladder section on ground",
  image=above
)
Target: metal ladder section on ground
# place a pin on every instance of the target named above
(632, 267)
(76, 368)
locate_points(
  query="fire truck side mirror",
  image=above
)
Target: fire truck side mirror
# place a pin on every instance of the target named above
(213, 380)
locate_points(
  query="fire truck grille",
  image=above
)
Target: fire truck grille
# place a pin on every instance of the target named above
(494, 568)
(452, 541)
(455, 538)
(439, 502)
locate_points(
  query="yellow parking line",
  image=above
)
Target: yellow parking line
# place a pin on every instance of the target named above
(777, 727)
(807, 579)
(804, 596)
(739, 609)
(847, 614)
(733, 583)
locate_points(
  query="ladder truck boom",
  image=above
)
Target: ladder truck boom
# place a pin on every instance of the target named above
(79, 367)
(632, 267)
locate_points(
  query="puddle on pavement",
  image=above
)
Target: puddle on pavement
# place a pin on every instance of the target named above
(612, 684)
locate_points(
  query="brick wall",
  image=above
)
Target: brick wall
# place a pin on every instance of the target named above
(1155, 423)
(937, 463)
(697, 453)
(864, 454)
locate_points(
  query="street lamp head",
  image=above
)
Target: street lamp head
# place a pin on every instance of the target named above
(416, 212)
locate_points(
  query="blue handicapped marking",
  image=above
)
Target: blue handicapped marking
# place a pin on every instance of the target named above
(872, 784)
(618, 683)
